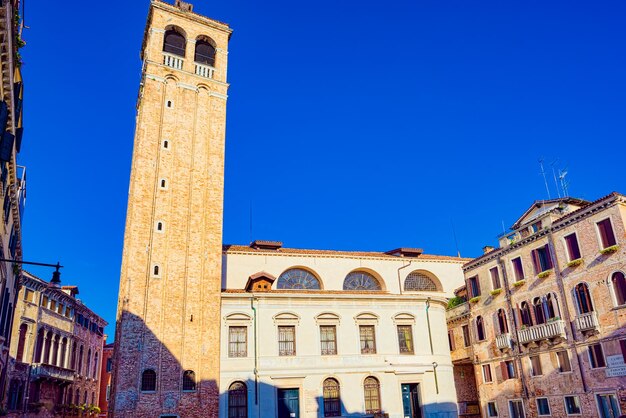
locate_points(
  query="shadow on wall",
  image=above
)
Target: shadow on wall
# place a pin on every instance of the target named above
(149, 390)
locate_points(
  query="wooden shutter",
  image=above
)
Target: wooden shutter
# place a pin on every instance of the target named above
(622, 345)
(504, 370)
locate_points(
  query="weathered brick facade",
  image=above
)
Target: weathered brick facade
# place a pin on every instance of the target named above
(169, 301)
(545, 324)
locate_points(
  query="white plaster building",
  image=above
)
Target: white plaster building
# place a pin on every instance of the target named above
(314, 333)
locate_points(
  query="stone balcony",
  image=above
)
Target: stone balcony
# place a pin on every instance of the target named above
(458, 312)
(173, 61)
(205, 71)
(49, 372)
(587, 322)
(504, 341)
(548, 331)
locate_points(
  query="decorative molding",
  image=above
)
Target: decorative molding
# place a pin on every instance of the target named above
(187, 86)
(156, 78)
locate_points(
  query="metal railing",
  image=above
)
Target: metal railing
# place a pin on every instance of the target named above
(173, 61)
(504, 341)
(205, 71)
(587, 321)
(552, 329)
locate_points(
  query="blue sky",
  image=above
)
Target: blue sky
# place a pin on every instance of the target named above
(376, 124)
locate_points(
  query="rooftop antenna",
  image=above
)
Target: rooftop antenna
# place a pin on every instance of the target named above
(558, 192)
(504, 228)
(545, 180)
(564, 183)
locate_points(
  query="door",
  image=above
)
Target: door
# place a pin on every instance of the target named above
(608, 406)
(410, 401)
(288, 403)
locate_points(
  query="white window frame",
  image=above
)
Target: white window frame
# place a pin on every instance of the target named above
(520, 401)
(495, 404)
(580, 406)
(549, 408)
(599, 238)
(612, 288)
(595, 398)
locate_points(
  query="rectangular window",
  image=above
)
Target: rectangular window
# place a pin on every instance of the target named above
(29, 295)
(622, 346)
(487, 373)
(543, 407)
(608, 406)
(541, 259)
(573, 250)
(508, 369)
(535, 366)
(495, 277)
(466, 336)
(368, 339)
(572, 405)
(44, 301)
(451, 340)
(518, 269)
(237, 341)
(109, 365)
(328, 339)
(53, 305)
(474, 286)
(286, 341)
(108, 392)
(492, 410)
(563, 359)
(517, 409)
(607, 237)
(60, 307)
(405, 339)
(536, 227)
(596, 356)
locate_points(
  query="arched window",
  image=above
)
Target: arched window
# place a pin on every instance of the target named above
(39, 346)
(21, 342)
(55, 351)
(148, 381)
(525, 314)
(88, 365)
(205, 52)
(155, 271)
(73, 362)
(552, 309)
(189, 381)
(80, 360)
(47, 348)
(297, 279)
(583, 298)
(539, 315)
(174, 43)
(360, 280)
(420, 282)
(504, 326)
(480, 328)
(371, 390)
(618, 283)
(332, 402)
(238, 400)
(95, 365)
(63, 352)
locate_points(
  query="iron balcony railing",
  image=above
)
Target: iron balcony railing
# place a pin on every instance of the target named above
(587, 321)
(549, 330)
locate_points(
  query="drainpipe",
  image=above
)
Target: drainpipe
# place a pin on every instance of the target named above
(435, 373)
(400, 281)
(430, 337)
(568, 318)
(256, 371)
(518, 350)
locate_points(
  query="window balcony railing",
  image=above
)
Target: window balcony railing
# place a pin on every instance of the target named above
(504, 341)
(49, 372)
(173, 61)
(587, 322)
(205, 71)
(547, 331)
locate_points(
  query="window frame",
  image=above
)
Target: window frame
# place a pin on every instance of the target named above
(495, 407)
(142, 381)
(560, 363)
(534, 368)
(231, 328)
(578, 404)
(328, 352)
(480, 328)
(494, 274)
(467, 339)
(371, 350)
(614, 290)
(372, 411)
(566, 245)
(285, 352)
(336, 412)
(593, 358)
(474, 286)
(521, 271)
(410, 345)
(542, 262)
(547, 402)
(521, 401)
(239, 391)
(487, 368)
(187, 380)
(601, 237)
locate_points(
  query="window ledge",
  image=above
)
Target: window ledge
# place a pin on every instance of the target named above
(618, 307)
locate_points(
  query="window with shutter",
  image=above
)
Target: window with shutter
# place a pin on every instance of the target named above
(607, 237)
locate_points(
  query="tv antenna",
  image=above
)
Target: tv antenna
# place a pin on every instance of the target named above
(556, 183)
(545, 180)
(564, 183)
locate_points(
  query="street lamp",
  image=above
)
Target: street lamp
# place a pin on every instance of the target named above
(56, 274)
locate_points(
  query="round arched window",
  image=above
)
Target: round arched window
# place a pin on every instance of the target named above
(205, 53)
(360, 280)
(419, 282)
(174, 43)
(298, 279)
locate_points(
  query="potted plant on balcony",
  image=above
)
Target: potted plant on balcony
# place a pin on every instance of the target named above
(610, 250)
(544, 274)
(496, 292)
(575, 263)
(519, 283)
(475, 299)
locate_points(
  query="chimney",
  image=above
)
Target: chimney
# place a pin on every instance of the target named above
(184, 6)
(487, 249)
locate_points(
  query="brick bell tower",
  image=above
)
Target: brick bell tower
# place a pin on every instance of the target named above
(166, 361)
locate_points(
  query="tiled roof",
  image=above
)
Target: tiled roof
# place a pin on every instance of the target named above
(227, 248)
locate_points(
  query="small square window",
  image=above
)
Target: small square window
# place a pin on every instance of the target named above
(543, 407)
(163, 184)
(166, 144)
(572, 405)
